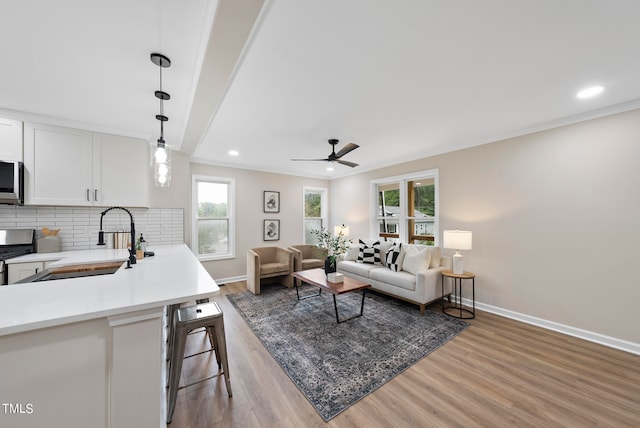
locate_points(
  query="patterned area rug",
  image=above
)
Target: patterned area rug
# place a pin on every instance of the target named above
(335, 365)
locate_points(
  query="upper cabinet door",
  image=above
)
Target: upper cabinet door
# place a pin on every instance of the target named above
(67, 166)
(10, 140)
(59, 165)
(121, 171)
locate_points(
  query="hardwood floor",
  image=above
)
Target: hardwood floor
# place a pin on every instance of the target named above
(497, 373)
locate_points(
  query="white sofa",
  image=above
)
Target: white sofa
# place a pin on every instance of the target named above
(418, 279)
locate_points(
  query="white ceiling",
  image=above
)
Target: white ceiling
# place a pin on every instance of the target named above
(403, 79)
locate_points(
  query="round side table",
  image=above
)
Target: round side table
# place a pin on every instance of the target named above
(456, 305)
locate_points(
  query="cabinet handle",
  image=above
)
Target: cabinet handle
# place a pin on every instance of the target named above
(37, 269)
(88, 195)
(95, 195)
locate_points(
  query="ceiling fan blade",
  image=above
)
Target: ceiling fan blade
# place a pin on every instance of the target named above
(351, 164)
(310, 160)
(346, 149)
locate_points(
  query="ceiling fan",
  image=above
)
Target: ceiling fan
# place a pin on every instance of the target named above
(335, 157)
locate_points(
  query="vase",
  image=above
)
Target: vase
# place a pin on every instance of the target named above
(329, 267)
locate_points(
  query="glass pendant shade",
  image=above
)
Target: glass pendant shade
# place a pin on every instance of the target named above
(161, 152)
(162, 166)
(160, 156)
(161, 162)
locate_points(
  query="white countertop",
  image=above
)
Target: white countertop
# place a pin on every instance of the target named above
(173, 275)
(73, 257)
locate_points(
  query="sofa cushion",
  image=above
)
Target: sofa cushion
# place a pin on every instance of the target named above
(394, 256)
(369, 252)
(355, 268)
(404, 280)
(416, 260)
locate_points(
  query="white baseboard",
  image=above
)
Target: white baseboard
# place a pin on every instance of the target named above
(611, 342)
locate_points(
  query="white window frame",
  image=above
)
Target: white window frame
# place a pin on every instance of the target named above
(231, 214)
(323, 208)
(403, 217)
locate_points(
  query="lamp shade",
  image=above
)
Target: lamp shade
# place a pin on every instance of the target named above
(456, 239)
(342, 228)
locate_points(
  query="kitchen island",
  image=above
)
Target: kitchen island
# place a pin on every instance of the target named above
(89, 351)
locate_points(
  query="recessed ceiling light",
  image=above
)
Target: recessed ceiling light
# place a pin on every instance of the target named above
(233, 153)
(330, 168)
(589, 92)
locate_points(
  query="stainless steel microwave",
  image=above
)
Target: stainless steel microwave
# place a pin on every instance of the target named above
(11, 183)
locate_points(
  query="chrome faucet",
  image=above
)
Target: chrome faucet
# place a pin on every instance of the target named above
(132, 250)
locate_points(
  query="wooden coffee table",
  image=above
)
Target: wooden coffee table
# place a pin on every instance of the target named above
(318, 278)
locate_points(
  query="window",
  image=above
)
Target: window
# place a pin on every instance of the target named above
(421, 211)
(388, 210)
(406, 208)
(315, 211)
(213, 217)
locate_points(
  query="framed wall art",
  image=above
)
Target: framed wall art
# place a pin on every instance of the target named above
(271, 230)
(271, 201)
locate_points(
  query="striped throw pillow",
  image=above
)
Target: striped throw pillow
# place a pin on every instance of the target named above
(393, 258)
(368, 253)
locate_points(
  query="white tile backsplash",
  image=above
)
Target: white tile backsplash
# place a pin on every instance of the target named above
(79, 226)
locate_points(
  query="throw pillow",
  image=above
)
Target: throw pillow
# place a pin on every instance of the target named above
(435, 254)
(368, 253)
(435, 257)
(352, 253)
(384, 248)
(416, 260)
(394, 257)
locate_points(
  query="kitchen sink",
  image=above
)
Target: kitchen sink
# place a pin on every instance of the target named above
(75, 271)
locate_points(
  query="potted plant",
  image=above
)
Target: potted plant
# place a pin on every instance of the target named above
(335, 246)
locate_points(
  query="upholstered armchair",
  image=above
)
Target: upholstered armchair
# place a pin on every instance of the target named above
(307, 256)
(269, 262)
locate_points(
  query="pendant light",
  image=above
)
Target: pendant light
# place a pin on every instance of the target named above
(161, 153)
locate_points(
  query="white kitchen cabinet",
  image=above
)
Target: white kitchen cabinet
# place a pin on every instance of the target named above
(67, 166)
(121, 167)
(11, 140)
(19, 271)
(58, 165)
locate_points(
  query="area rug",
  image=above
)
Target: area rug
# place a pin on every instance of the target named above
(335, 365)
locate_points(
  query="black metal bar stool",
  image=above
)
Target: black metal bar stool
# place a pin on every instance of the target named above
(207, 315)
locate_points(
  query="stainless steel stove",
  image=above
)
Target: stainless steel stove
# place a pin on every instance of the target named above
(14, 243)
